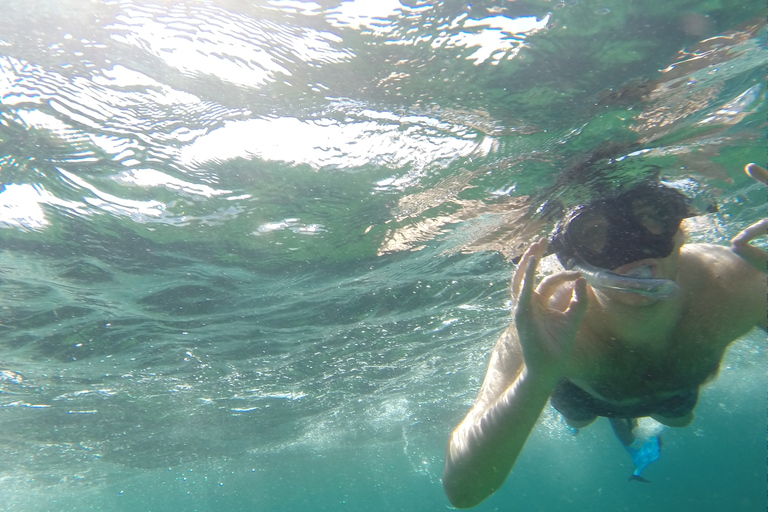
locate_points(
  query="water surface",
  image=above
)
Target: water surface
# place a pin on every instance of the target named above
(255, 255)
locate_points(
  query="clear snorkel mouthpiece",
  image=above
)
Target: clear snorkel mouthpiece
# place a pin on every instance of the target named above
(600, 278)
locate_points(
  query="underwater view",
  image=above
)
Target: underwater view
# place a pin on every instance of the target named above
(256, 255)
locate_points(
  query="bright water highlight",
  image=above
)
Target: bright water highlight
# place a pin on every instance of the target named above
(255, 255)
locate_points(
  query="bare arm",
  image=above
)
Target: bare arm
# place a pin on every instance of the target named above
(740, 244)
(526, 364)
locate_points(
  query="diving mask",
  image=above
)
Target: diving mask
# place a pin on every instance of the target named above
(610, 233)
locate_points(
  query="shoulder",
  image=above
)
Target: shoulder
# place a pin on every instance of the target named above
(706, 252)
(715, 261)
(718, 280)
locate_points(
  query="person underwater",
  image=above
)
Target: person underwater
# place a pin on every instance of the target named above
(632, 328)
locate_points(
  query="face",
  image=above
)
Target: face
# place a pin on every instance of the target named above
(657, 268)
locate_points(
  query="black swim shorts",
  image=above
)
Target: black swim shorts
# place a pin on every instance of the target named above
(576, 404)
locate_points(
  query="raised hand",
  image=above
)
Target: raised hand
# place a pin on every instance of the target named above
(755, 256)
(546, 334)
(740, 244)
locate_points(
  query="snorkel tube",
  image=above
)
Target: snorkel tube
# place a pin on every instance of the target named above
(662, 289)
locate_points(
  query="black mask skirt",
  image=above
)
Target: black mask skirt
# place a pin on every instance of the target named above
(635, 225)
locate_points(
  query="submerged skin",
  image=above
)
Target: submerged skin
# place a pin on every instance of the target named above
(620, 347)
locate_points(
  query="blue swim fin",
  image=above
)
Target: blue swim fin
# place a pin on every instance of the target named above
(642, 456)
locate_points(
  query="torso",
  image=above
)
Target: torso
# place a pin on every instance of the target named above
(680, 355)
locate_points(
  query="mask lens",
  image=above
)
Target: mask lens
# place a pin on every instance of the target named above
(657, 217)
(587, 233)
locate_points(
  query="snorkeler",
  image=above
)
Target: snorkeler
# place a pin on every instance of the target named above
(633, 328)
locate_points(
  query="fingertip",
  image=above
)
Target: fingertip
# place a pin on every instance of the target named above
(756, 172)
(538, 243)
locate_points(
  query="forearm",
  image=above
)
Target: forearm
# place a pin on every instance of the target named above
(755, 256)
(740, 244)
(485, 446)
(527, 362)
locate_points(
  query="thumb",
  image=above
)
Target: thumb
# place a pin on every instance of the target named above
(579, 301)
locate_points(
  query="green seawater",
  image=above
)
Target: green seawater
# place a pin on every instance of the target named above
(254, 255)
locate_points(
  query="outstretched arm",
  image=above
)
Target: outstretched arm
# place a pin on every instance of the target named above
(755, 256)
(526, 364)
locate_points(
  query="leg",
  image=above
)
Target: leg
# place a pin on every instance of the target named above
(623, 427)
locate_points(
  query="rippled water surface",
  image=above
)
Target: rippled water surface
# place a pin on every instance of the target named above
(254, 255)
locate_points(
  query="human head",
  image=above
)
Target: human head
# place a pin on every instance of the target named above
(609, 233)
